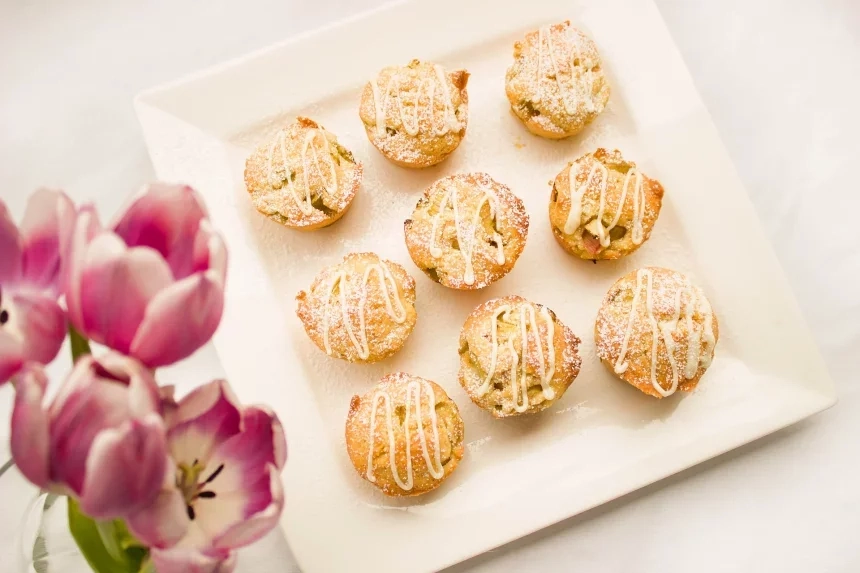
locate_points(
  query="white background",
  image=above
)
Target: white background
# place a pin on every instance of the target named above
(782, 81)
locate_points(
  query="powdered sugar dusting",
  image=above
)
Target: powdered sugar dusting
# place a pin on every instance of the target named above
(646, 326)
(556, 82)
(507, 338)
(361, 310)
(467, 231)
(417, 114)
(301, 176)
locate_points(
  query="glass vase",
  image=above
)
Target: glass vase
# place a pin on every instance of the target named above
(42, 542)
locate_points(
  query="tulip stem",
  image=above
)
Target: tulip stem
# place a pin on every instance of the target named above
(147, 566)
(80, 345)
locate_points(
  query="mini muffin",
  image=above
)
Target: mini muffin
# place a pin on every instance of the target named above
(556, 84)
(405, 436)
(467, 231)
(602, 206)
(360, 310)
(656, 331)
(415, 115)
(516, 357)
(302, 178)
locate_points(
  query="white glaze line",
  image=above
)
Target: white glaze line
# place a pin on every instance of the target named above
(413, 402)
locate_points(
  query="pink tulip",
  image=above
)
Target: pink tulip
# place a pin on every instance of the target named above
(32, 324)
(153, 286)
(226, 492)
(189, 561)
(101, 439)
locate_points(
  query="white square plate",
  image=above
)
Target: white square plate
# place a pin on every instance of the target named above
(603, 439)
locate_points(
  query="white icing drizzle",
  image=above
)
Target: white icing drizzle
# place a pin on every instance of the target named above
(393, 305)
(413, 398)
(519, 388)
(638, 209)
(428, 86)
(466, 235)
(574, 216)
(308, 144)
(545, 37)
(696, 356)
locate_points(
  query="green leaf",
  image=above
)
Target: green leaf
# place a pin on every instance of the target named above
(107, 546)
(80, 345)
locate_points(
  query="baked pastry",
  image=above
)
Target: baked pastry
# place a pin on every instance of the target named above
(302, 178)
(415, 115)
(405, 436)
(467, 231)
(602, 206)
(516, 357)
(361, 309)
(656, 331)
(556, 84)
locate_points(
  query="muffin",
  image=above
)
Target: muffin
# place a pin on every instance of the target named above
(467, 231)
(360, 310)
(516, 357)
(656, 331)
(415, 115)
(302, 178)
(602, 206)
(405, 436)
(556, 84)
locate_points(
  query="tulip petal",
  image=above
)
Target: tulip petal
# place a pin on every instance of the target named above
(29, 437)
(143, 392)
(279, 440)
(164, 522)
(10, 249)
(210, 251)
(125, 468)
(38, 321)
(256, 445)
(258, 524)
(11, 356)
(84, 414)
(179, 320)
(87, 226)
(46, 233)
(166, 218)
(243, 486)
(181, 560)
(169, 406)
(204, 419)
(116, 286)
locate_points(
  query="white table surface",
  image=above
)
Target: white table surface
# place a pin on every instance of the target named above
(782, 81)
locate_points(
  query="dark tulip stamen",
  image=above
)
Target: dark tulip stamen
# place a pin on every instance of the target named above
(191, 514)
(212, 477)
(4, 316)
(206, 494)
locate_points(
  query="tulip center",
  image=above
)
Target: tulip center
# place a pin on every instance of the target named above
(4, 313)
(189, 483)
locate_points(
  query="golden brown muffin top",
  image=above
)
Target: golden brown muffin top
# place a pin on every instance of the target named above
(405, 436)
(556, 83)
(302, 177)
(516, 357)
(656, 331)
(416, 114)
(608, 211)
(467, 231)
(361, 309)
